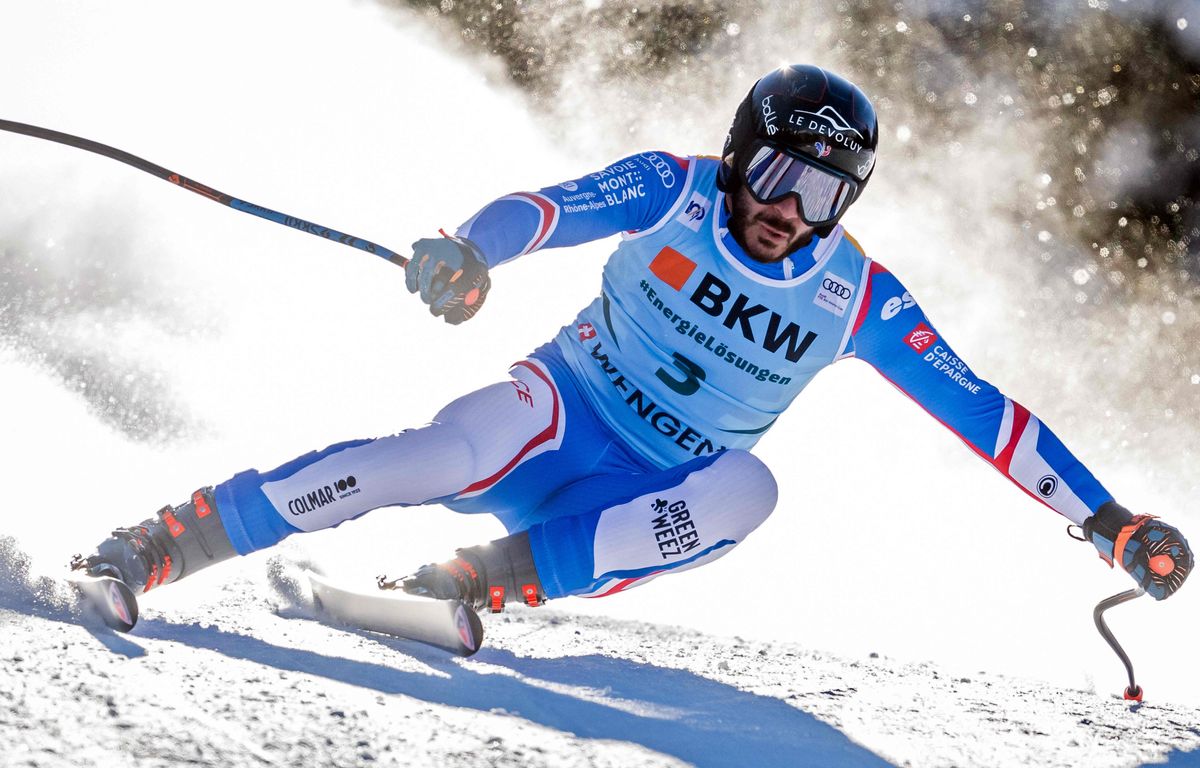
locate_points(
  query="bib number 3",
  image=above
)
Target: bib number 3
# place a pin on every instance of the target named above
(692, 376)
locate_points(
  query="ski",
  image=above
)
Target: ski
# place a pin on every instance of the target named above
(111, 599)
(447, 624)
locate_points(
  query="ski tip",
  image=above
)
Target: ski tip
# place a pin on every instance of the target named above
(109, 598)
(470, 629)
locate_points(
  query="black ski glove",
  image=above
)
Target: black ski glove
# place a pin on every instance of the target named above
(1155, 554)
(451, 276)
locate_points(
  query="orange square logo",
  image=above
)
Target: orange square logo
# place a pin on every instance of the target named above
(672, 267)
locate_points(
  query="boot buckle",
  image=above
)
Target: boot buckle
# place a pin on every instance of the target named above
(529, 593)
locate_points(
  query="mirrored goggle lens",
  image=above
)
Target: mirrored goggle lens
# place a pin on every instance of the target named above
(771, 176)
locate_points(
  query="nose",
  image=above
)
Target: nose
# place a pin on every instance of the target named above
(787, 208)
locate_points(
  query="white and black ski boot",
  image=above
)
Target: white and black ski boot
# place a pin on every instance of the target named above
(172, 544)
(484, 577)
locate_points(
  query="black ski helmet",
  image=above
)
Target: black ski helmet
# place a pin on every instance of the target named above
(808, 113)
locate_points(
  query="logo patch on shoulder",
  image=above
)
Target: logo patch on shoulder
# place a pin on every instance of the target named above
(920, 338)
(834, 294)
(694, 213)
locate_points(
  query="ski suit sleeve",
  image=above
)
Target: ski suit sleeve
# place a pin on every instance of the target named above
(894, 335)
(628, 196)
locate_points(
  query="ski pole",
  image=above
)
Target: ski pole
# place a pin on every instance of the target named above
(1134, 691)
(204, 190)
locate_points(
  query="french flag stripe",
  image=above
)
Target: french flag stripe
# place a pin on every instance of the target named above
(865, 306)
(1020, 421)
(546, 435)
(621, 585)
(1006, 425)
(547, 221)
(683, 161)
(995, 462)
(600, 589)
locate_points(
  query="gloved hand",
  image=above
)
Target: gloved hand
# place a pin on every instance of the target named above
(1155, 554)
(451, 275)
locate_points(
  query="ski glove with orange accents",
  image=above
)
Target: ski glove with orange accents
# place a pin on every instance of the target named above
(1155, 554)
(451, 276)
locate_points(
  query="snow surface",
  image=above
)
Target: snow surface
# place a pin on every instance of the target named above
(248, 676)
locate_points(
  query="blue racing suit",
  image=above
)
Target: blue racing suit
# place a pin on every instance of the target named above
(622, 446)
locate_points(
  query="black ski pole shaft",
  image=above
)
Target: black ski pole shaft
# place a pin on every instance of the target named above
(203, 189)
(1134, 691)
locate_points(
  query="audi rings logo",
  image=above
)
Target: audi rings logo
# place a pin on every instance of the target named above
(836, 288)
(1047, 486)
(664, 170)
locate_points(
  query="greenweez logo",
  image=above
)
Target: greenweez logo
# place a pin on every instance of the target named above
(674, 530)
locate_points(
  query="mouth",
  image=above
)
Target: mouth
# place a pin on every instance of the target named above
(773, 231)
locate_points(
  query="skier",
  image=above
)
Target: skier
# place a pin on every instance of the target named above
(620, 451)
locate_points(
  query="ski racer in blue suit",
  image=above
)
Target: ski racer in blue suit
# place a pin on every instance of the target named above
(621, 450)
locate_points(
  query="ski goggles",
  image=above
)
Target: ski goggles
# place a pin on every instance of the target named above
(822, 195)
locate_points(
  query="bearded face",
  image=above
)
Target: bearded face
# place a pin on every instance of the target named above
(767, 232)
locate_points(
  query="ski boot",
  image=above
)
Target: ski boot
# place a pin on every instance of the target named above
(484, 577)
(172, 544)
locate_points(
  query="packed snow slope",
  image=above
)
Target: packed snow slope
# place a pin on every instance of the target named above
(249, 676)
